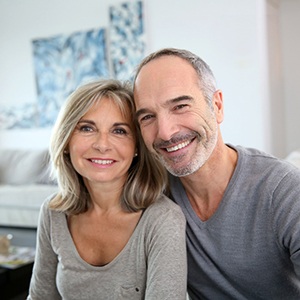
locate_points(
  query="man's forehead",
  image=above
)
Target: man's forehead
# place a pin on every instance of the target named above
(165, 84)
(165, 72)
(166, 63)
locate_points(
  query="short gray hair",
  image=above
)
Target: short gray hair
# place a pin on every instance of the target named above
(206, 77)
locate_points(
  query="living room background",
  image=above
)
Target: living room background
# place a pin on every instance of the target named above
(252, 47)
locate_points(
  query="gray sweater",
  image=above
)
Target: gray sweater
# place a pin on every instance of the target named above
(152, 265)
(250, 247)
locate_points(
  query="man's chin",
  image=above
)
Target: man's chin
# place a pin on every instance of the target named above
(181, 173)
(178, 171)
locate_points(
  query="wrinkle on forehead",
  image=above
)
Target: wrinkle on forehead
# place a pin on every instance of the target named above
(162, 79)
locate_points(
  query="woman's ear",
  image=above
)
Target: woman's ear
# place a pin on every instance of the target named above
(66, 151)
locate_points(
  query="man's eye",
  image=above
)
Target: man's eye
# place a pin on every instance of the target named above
(145, 118)
(180, 106)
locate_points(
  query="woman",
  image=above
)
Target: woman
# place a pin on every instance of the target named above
(109, 233)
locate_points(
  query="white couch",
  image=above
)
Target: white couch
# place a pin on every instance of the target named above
(24, 185)
(294, 158)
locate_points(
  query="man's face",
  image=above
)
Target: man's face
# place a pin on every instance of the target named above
(175, 120)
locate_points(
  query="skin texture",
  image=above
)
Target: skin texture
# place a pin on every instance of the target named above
(178, 124)
(245, 242)
(101, 148)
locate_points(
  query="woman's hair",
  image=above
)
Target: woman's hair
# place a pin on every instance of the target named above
(207, 81)
(147, 178)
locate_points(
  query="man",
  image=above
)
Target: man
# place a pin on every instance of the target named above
(242, 206)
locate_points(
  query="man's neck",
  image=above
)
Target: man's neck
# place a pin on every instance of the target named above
(206, 187)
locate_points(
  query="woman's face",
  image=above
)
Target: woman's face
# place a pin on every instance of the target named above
(102, 145)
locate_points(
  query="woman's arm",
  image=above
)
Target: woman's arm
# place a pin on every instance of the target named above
(167, 262)
(43, 280)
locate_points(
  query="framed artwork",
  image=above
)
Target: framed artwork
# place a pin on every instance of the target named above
(63, 62)
(127, 38)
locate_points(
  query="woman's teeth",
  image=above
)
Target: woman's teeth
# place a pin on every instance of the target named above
(102, 162)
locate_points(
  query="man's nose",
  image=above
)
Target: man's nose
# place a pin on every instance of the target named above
(166, 127)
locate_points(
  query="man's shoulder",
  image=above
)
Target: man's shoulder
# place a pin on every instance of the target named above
(251, 160)
(254, 152)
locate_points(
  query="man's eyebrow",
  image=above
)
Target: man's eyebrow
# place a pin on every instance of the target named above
(180, 98)
(140, 112)
(168, 102)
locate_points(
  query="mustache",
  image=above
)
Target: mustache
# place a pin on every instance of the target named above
(176, 139)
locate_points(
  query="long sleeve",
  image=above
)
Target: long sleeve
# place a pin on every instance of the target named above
(167, 264)
(286, 211)
(43, 281)
(152, 265)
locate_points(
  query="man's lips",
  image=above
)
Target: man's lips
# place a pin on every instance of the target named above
(176, 142)
(178, 147)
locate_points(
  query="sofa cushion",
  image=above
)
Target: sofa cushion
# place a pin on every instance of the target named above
(294, 158)
(24, 166)
(20, 205)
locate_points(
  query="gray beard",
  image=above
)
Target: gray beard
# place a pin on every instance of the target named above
(196, 162)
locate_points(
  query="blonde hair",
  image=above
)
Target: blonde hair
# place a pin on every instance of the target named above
(147, 178)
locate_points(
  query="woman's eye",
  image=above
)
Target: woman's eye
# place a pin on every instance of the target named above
(85, 128)
(120, 131)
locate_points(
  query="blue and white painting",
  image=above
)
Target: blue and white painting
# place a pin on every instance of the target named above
(21, 116)
(62, 63)
(127, 38)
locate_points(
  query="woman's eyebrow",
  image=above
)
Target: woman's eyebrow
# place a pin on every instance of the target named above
(93, 123)
(121, 124)
(86, 121)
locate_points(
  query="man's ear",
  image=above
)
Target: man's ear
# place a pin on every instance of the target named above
(218, 106)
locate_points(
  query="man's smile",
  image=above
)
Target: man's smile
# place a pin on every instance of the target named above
(179, 146)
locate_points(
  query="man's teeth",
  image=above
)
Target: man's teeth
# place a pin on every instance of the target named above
(179, 146)
(102, 162)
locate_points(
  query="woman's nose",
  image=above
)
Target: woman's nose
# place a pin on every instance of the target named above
(102, 143)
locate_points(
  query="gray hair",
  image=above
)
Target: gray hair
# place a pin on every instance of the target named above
(207, 81)
(147, 178)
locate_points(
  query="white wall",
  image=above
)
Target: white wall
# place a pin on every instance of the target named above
(21, 22)
(275, 84)
(290, 27)
(233, 36)
(230, 36)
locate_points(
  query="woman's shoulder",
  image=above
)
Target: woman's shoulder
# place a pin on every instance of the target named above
(164, 202)
(163, 218)
(49, 213)
(164, 207)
